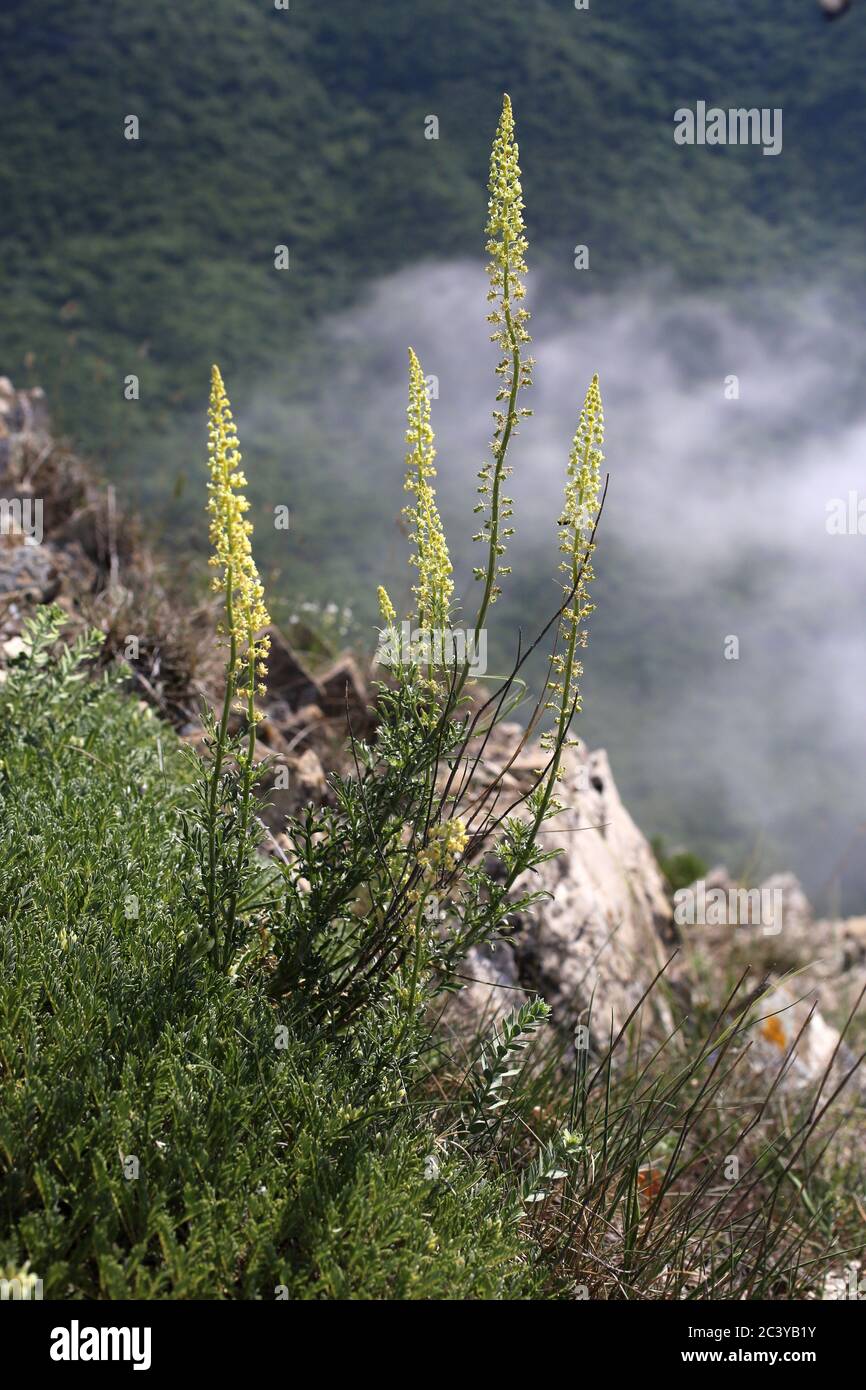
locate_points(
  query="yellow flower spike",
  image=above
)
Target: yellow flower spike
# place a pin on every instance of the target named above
(435, 586)
(386, 607)
(245, 617)
(579, 515)
(506, 246)
(446, 843)
(506, 240)
(230, 534)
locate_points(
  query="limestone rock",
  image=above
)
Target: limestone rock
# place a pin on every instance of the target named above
(826, 962)
(27, 571)
(605, 927)
(290, 782)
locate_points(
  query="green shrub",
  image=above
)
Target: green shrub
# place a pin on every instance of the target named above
(266, 1154)
(680, 867)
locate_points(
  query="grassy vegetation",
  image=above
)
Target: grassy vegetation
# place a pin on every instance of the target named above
(265, 1158)
(278, 1156)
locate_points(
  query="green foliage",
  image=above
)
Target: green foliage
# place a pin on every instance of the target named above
(683, 1173)
(681, 867)
(268, 1154)
(496, 1065)
(552, 1164)
(223, 884)
(281, 1156)
(382, 892)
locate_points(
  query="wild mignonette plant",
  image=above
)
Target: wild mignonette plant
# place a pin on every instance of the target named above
(506, 246)
(435, 587)
(416, 860)
(222, 829)
(389, 888)
(386, 889)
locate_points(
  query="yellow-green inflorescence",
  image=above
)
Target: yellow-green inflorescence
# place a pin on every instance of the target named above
(435, 586)
(576, 524)
(386, 607)
(506, 246)
(445, 844)
(230, 532)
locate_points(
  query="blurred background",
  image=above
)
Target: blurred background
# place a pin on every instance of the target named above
(305, 127)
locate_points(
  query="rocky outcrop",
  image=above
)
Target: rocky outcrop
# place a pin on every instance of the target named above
(63, 539)
(289, 684)
(808, 973)
(604, 928)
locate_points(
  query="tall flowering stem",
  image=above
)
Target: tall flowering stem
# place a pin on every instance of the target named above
(435, 586)
(506, 246)
(576, 530)
(245, 617)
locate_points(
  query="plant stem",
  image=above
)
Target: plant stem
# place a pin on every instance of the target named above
(219, 755)
(499, 471)
(498, 474)
(245, 798)
(566, 711)
(416, 967)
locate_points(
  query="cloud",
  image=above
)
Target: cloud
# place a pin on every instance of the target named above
(715, 526)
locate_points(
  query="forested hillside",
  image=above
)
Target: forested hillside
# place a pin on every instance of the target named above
(305, 127)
